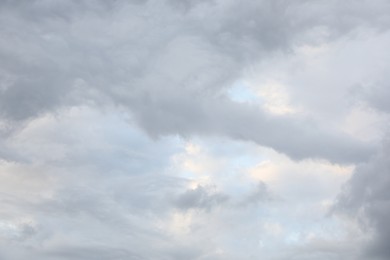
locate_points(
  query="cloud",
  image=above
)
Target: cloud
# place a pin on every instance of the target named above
(125, 131)
(169, 67)
(259, 195)
(366, 199)
(74, 252)
(200, 198)
(81, 206)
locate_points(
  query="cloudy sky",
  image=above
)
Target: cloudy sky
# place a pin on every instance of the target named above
(195, 129)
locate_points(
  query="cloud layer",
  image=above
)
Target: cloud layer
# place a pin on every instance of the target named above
(194, 129)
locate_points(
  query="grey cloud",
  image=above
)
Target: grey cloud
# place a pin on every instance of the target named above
(94, 218)
(207, 198)
(77, 252)
(125, 212)
(366, 197)
(376, 96)
(18, 233)
(113, 201)
(71, 204)
(259, 195)
(167, 67)
(304, 139)
(108, 219)
(187, 5)
(32, 94)
(92, 252)
(200, 198)
(105, 252)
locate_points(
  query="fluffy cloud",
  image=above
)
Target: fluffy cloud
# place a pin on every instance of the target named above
(168, 65)
(193, 129)
(366, 199)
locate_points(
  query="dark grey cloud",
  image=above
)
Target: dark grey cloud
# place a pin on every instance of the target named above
(203, 198)
(170, 67)
(304, 138)
(366, 198)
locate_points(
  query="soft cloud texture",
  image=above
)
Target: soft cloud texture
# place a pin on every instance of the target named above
(164, 58)
(366, 199)
(194, 129)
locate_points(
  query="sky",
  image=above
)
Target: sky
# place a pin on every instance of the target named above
(195, 129)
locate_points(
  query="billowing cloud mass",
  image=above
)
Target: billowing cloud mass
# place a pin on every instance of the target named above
(210, 129)
(366, 198)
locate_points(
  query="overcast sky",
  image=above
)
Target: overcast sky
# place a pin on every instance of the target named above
(195, 129)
